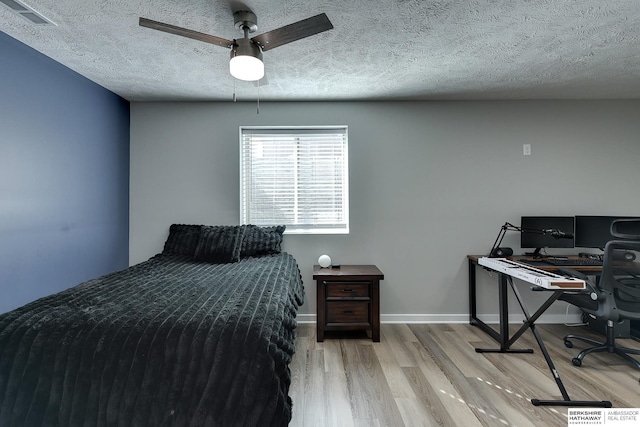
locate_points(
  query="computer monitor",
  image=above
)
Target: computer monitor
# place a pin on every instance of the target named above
(595, 231)
(546, 232)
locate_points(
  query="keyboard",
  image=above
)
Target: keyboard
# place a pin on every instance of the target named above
(569, 262)
(544, 279)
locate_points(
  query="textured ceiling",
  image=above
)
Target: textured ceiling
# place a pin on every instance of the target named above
(386, 49)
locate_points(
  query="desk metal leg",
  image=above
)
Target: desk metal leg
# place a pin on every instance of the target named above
(503, 336)
(473, 315)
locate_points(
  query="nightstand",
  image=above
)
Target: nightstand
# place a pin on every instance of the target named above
(348, 298)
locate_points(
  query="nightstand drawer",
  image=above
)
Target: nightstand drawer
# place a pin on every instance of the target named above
(347, 312)
(347, 289)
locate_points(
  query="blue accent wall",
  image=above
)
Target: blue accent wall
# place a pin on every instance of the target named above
(64, 177)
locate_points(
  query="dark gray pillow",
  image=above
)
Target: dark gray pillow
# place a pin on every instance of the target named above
(261, 240)
(182, 240)
(219, 244)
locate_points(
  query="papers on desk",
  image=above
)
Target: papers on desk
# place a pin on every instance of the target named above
(544, 279)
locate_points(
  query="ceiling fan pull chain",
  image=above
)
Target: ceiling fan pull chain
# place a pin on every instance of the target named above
(234, 90)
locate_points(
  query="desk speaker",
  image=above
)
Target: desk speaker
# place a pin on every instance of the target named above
(501, 252)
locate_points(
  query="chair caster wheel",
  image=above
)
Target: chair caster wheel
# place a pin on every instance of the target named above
(568, 344)
(576, 361)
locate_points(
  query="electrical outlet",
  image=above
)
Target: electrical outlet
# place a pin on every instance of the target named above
(526, 149)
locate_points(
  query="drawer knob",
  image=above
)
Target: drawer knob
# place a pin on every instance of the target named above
(346, 290)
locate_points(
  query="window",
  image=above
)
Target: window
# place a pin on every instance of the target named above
(295, 176)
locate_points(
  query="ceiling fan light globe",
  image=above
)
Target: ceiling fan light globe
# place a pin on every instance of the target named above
(247, 68)
(246, 61)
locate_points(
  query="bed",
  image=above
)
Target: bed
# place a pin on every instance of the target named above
(199, 335)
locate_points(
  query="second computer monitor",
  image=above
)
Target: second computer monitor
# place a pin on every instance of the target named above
(595, 231)
(546, 232)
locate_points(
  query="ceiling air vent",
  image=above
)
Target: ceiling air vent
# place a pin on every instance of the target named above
(27, 12)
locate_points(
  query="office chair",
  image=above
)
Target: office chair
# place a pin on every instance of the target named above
(616, 295)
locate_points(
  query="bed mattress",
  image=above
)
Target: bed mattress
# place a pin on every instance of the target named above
(168, 342)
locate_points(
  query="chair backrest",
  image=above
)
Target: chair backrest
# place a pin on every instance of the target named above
(626, 229)
(621, 277)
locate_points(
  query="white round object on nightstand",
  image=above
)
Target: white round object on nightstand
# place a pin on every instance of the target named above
(324, 261)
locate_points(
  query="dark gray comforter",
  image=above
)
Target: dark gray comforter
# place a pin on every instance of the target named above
(170, 341)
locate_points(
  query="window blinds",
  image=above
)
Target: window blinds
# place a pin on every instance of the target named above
(295, 176)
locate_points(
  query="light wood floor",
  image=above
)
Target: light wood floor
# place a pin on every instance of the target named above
(430, 375)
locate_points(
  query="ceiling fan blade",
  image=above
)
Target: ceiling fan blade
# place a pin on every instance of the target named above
(292, 32)
(168, 28)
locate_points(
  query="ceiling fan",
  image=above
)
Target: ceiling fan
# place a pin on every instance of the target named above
(246, 53)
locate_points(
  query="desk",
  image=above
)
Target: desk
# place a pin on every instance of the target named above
(506, 341)
(473, 314)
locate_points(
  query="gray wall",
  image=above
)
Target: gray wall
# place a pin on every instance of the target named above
(64, 177)
(429, 182)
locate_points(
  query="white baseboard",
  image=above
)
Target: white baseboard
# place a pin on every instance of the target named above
(306, 318)
(456, 318)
